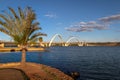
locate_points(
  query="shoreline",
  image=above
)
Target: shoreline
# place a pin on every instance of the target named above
(14, 49)
(38, 71)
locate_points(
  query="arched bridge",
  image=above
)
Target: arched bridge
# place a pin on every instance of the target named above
(73, 38)
(56, 35)
(65, 43)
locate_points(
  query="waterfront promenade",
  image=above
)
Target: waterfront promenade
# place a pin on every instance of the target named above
(12, 49)
(46, 44)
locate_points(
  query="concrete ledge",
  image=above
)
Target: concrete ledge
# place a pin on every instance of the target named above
(19, 49)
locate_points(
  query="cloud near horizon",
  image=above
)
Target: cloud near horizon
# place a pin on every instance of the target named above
(86, 26)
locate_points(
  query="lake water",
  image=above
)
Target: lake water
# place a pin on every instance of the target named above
(93, 63)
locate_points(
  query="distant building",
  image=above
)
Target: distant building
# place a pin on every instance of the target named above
(1, 45)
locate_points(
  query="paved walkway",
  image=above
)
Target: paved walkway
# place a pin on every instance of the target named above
(12, 74)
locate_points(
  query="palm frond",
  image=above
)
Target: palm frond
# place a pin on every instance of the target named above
(4, 31)
(5, 25)
(36, 35)
(13, 12)
(21, 13)
(4, 18)
(9, 17)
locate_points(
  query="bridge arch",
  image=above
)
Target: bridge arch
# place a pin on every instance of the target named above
(71, 38)
(60, 37)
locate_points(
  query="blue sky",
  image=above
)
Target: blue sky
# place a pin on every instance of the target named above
(89, 20)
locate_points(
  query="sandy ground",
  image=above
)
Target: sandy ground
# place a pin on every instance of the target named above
(38, 71)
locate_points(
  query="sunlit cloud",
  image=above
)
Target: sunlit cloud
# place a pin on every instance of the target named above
(100, 24)
(86, 26)
(110, 18)
(50, 15)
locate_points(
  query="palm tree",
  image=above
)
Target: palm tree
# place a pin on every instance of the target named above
(21, 27)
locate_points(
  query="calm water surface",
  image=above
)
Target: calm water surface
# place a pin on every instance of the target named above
(93, 63)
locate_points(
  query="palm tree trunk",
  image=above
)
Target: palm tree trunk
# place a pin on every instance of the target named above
(23, 58)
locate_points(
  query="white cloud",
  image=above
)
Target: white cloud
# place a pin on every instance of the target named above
(86, 26)
(50, 15)
(110, 18)
(101, 24)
